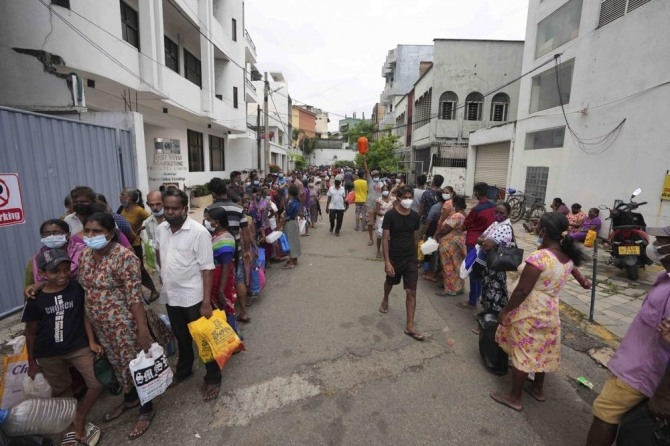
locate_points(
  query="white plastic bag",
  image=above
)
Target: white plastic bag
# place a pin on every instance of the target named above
(379, 229)
(36, 388)
(273, 236)
(151, 373)
(302, 225)
(429, 246)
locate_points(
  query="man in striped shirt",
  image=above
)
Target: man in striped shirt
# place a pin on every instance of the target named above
(239, 227)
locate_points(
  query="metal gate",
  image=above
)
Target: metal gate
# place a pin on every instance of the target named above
(491, 164)
(52, 155)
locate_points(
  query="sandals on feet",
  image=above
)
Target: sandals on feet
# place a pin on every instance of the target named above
(211, 392)
(536, 397)
(142, 418)
(383, 309)
(501, 399)
(120, 409)
(92, 435)
(416, 336)
(69, 440)
(465, 305)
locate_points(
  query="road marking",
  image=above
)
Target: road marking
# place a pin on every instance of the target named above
(239, 407)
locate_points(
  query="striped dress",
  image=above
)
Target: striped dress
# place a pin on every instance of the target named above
(223, 247)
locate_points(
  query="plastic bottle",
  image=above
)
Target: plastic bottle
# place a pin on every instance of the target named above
(38, 416)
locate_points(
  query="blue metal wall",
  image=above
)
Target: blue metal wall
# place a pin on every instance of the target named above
(52, 155)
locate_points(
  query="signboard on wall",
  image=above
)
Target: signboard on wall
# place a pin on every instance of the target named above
(665, 193)
(168, 164)
(11, 205)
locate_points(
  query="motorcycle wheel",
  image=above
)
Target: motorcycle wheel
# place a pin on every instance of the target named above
(632, 271)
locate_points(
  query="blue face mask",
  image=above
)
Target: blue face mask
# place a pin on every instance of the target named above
(97, 242)
(539, 240)
(54, 241)
(159, 213)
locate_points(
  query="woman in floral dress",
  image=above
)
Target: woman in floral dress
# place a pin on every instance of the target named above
(110, 274)
(530, 326)
(452, 248)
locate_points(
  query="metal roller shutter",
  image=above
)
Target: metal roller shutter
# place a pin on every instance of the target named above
(491, 164)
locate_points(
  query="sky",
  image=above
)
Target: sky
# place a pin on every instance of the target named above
(331, 53)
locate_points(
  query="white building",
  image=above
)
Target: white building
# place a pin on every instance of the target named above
(610, 135)
(461, 91)
(179, 63)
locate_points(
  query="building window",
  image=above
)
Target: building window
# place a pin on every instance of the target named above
(499, 105)
(448, 102)
(545, 139)
(61, 3)
(192, 68)
(234, 30)
(610, 10)
(473, 107)
(217, 161)
(130, 26)
(171, 55)
(558, 28)
(544, 92)
(196, 158)
(536, 181)
(235, 104)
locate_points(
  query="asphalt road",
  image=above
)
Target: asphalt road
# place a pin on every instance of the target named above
(324, 367)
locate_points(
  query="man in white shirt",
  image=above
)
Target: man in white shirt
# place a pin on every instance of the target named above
(336, 205)
(184, 250)
(82, 199)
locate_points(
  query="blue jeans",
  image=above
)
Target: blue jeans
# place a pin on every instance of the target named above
(475, 284)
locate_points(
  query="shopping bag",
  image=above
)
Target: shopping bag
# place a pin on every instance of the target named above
(256, 278)
(283, 240)
(14, 369)
(151, 373)
(468, 262)
(378, 228)
(273, 236)
(36, 388)
(149, 254)
(429, 246)
(590, 238)
(105, 374)
(351, 198)
(216, 340)
(261, 257)
(302, 225)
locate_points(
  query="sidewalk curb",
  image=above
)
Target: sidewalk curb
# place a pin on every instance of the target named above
(592, 328)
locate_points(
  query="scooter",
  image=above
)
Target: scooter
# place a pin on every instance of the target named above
(627, 237)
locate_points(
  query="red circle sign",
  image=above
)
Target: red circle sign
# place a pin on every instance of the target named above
(4, 194)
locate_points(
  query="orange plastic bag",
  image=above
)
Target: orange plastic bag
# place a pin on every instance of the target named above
(590, 238)
(351, 197)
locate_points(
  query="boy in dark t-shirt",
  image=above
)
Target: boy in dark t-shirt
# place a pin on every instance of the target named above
(399, 243)
(58, 335)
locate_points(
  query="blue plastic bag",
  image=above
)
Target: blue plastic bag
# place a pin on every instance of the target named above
(261, 257)
(283, 241)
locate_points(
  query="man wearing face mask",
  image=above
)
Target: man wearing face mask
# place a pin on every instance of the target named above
(399, 242)
(82, 198)
(374, 192)
(640, 362)
(336, 205)
(184, 251)
(155, 203)
(235, 188)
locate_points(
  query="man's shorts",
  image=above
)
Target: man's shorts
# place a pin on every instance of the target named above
(615, 400)
(240, 271)
(56, 370)
(408, 270)
(370, 216)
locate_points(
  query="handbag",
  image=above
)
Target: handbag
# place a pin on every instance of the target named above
(505, 259)
(590, 238)
(105, 374)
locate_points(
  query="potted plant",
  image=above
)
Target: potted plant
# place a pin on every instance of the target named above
(200, 196)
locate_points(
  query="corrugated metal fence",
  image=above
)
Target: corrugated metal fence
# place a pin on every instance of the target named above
(52, 155)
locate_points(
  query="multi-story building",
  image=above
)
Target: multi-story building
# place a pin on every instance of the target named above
(591, 122)
(304, 122)
(180, 63)
(465, 88)
(400, 71)
(378, 113)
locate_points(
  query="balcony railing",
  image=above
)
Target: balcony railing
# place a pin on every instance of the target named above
(251, 42)
(250, 86)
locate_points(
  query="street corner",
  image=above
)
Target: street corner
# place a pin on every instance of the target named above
(577, 329)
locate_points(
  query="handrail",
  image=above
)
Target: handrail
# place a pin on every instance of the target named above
(251, 42)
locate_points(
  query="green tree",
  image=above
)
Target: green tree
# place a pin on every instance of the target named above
(381, 153)
(362, 128)
(299, 162)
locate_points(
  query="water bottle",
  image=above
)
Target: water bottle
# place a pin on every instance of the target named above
(38, 416)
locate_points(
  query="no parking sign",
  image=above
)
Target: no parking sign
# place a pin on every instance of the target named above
(11, 205)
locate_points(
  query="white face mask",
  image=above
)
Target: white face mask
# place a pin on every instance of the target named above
(446, 197)
(406, 203)
(375, 179)
(385, 193)
(209, 226)
(654, 255)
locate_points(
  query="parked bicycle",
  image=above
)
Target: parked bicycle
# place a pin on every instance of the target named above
(527, 208)
(513, 196)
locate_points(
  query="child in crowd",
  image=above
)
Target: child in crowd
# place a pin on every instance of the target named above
(59, 335)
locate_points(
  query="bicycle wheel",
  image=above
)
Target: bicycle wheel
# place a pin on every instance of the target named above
(536, 212)
(517, 211)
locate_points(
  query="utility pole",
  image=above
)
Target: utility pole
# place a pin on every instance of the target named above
(258, 138)
(267, 123)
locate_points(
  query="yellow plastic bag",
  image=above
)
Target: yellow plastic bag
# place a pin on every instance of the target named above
(590, 239)
(14, 370)
(216, 340)
(420, 253)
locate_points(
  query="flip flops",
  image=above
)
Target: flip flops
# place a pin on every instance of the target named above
(120, 409)
(92, 435)
(500, 399)
(415, 336)
(143, 417)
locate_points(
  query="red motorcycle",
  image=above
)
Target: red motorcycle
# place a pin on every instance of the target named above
(627, 237)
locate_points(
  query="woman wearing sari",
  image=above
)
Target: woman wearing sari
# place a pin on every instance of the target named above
(452, 248)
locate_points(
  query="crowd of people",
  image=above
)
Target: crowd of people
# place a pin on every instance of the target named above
(85, 297)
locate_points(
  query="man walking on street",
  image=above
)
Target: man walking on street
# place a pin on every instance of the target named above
(361, 196)
(641, 360)
(399, 243)
(476, 222)
(336, 205)
(184, 248)
(374, 192)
